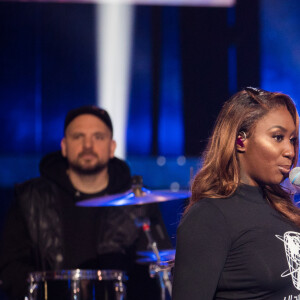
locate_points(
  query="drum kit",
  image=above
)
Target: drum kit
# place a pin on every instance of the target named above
(111, 284)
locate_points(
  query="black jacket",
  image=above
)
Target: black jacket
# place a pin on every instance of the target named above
(45, 230)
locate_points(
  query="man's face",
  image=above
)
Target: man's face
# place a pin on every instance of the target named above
(88, 144)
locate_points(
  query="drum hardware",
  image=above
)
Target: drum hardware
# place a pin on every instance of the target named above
(76, 289)
(157, 269)
(77, 285)
(148, 257)
(144, 223)
(137, 195)
(162, 270)
(120, 290)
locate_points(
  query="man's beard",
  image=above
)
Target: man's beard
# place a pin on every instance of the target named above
(77, 168)
(88, 170)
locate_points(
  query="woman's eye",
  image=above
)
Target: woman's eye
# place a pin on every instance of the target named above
(278, 137)
(293, 140)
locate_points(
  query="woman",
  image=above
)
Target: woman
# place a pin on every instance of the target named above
(239, 236)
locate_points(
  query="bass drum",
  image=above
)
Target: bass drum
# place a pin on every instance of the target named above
(77, 285)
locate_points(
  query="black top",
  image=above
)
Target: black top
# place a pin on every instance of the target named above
(236, 248)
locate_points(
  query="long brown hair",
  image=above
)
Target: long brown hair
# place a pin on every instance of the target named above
(219, 176)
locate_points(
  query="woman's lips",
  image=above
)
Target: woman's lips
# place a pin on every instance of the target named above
(284, 169)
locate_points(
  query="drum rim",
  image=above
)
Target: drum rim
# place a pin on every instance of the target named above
(78, 274)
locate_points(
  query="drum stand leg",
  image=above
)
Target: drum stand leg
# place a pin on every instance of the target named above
(31, 291)
(162, 286)
(75, 289)
(120, 290)
(167, 282)
(162, 272)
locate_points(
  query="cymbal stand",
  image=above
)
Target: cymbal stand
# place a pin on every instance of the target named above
(160, 269)
(163, 270)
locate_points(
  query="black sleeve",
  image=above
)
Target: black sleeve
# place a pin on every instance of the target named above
(15, 255)
(202, 246)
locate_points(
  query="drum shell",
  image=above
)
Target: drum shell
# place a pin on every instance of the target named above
(77, 284)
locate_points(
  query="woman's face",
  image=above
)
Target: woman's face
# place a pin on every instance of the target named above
(268, 153)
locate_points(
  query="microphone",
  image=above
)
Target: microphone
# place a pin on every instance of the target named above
(294, 176)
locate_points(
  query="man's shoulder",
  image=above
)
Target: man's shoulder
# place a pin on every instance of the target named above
(119, 176)
(32, 182)
(119, 165)
(33, 185)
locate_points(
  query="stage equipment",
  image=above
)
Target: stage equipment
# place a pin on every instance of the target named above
(149, 257)
(77, 284)
(137, 195)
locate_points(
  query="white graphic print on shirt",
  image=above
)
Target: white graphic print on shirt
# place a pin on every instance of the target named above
(291, 241)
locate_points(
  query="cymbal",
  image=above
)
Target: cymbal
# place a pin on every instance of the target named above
(149, 256)
(130, 198)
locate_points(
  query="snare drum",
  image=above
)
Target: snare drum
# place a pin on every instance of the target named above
(77, 284)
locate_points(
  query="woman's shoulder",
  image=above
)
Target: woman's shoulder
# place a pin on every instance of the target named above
(214, 204)
(209, 204)
(204, 210)
(244, 196)
(218, 208)
(205, 215)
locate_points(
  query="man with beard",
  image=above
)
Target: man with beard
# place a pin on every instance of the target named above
(46, 231)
